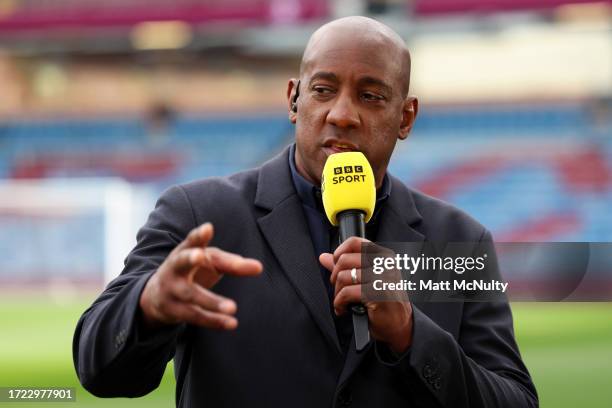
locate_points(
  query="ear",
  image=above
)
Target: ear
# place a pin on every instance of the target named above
(291, 90)
(409, 113)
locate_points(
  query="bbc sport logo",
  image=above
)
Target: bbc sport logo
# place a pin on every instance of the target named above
(348, 174)
(348, 169)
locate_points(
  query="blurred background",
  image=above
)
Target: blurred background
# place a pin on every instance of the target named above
(104, 104)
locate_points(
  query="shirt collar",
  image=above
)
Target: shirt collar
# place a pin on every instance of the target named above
(310, 195)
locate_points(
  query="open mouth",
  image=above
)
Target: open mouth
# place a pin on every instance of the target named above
(339, 147)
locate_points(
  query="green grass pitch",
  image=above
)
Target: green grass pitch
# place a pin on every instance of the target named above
(567, 348)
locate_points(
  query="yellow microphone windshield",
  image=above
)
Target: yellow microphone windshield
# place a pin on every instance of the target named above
(348, 183)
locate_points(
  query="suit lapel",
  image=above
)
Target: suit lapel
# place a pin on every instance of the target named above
(284, 228)
(396, 225)
(286, 231)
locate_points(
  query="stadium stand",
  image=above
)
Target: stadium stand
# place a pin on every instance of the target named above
(480, 158)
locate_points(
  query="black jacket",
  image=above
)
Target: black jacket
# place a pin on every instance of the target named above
(285, 352)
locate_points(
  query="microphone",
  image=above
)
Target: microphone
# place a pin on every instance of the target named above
(349, 196)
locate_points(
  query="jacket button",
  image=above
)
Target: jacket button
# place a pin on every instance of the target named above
(428, 372)
(120, 338)
(437, 384)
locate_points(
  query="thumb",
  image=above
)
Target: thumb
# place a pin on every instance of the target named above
(327, 260)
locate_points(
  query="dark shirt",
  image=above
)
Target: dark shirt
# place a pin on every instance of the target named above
(324, 236)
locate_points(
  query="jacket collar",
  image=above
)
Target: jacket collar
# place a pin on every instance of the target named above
(275, 184)
(286, 231)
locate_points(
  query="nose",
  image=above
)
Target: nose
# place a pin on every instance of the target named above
(343, 113)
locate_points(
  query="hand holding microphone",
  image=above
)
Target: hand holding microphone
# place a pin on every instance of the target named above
(349, 198)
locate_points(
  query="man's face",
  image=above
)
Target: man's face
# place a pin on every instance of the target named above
(351, 98)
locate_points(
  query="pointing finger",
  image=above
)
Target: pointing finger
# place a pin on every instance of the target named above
(233, 264)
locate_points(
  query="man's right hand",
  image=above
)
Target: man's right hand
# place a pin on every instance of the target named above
(179, 290)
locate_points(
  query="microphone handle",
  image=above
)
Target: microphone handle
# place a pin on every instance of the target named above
(351, 223)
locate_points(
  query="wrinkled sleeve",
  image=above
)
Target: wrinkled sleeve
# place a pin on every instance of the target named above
(113, 355)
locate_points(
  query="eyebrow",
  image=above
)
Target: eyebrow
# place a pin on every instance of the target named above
(330, 76)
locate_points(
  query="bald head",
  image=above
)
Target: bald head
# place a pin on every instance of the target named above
(366, 32)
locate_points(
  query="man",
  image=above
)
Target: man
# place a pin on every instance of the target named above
(275, 330)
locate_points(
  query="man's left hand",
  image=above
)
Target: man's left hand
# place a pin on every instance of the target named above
(390, 321)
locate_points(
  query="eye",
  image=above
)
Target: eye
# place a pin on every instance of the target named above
(322, 90)
(370, 96)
